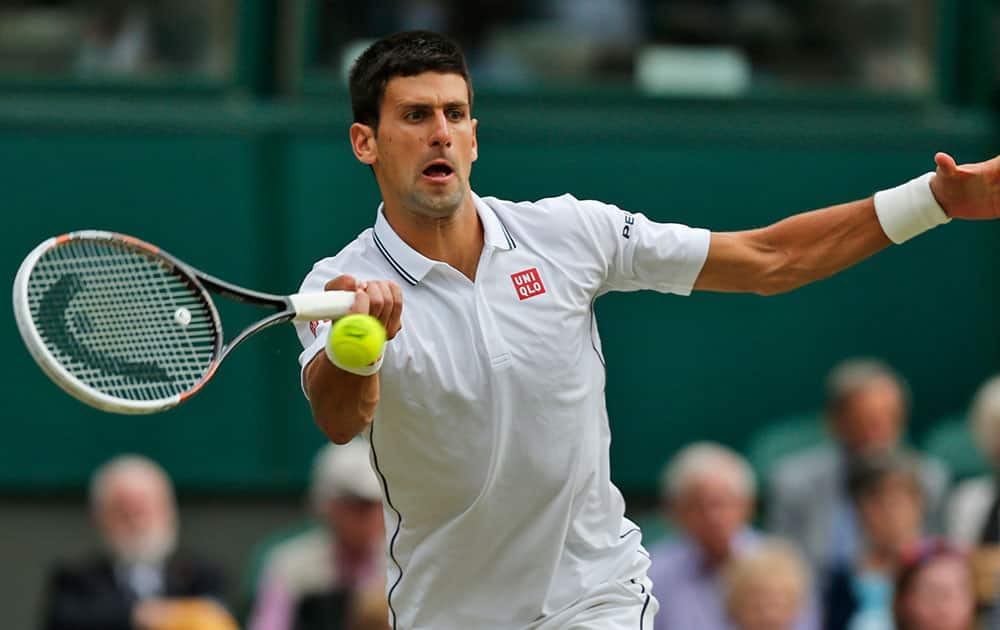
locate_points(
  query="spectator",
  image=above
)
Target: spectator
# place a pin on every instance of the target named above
(866, 410)
(934, 590)
(122, 38)
(973, 518)
(886, 491)
(708, 491)
(139, 580)
(768, 587)
(331, 576)
(116, 40)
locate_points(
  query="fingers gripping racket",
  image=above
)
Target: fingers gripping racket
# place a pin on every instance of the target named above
(125, 327)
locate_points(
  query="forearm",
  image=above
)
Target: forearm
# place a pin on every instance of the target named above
(798, 250)
(820, 243)
(343, 404)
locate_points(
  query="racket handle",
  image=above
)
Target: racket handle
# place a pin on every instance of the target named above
(326, 305)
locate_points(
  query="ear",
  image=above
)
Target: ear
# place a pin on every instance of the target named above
(475, 141)
(363, 143)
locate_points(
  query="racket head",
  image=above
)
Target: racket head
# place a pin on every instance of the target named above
(103, 315)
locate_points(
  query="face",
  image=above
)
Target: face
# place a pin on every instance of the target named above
(873, 417)
(940, 597)
(425, 144)
(892, 515)
(357, 523)
(712, 512)
(136, 517)
(769, 603)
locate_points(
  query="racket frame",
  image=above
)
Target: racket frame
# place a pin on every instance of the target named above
(300, 307)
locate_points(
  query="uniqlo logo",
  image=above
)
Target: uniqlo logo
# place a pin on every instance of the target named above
(527, 283)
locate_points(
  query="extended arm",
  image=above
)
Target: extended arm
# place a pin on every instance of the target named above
(795, 251)
(814, 245)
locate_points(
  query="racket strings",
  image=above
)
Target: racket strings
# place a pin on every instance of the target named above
(126, 329)
(109, 313)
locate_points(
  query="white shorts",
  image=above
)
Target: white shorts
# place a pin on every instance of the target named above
(623, 605)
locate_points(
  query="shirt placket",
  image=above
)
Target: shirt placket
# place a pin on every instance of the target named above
(493, 339)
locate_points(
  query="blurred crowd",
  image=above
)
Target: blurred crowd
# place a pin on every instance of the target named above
(882, 44)
(855, 530)
(116, 38)
(328, 575)
(861, 531)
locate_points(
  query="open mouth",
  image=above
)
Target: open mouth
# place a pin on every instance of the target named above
(438, 171)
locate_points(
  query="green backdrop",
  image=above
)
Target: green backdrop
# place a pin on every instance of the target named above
(255, 192)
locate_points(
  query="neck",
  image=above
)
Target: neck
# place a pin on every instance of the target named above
(715, 557)
(883, 558)
(456, 240)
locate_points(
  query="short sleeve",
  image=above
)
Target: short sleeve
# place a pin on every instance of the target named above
(643, 254)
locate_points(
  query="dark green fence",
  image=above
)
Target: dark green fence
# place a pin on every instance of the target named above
(254, 193)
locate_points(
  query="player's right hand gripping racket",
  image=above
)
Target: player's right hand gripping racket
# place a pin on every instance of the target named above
(123, 326)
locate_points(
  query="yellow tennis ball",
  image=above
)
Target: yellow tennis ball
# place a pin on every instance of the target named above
(356, 340)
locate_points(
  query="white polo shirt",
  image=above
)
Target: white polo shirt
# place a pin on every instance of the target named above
(491, 436)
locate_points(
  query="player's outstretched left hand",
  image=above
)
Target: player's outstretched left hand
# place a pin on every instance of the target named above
(969, 191)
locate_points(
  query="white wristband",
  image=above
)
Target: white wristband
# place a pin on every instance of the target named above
(366, 370)
(908, 210)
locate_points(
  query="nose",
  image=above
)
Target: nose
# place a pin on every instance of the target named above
(441, 133)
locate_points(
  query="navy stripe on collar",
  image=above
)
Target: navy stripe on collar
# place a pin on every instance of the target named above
(392, 261)
(510, 239)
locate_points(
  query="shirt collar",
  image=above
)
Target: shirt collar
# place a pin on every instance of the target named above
(411, 264)
(495, 233)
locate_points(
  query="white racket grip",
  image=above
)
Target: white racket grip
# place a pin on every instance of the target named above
(318, 306)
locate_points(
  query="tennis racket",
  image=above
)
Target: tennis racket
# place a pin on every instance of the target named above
(125, 327)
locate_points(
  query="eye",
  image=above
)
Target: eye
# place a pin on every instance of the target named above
(414, 116)
(456, 114)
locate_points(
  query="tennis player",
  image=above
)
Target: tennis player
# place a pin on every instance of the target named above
(486, 413)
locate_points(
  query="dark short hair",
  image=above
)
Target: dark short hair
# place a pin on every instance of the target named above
(866, 471)
(401, 55)
(851, 376)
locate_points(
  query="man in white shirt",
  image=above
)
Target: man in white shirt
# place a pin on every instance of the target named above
(486, 414)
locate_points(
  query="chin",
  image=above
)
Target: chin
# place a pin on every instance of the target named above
(438, 206)
(147, 548)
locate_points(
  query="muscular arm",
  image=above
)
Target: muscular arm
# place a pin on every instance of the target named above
(793, 252)
(343, 404)
(815, 245)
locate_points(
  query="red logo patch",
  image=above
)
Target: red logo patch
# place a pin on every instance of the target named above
(527, 283)
(314, 324)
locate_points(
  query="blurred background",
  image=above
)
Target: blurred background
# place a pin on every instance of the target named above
(218, 130)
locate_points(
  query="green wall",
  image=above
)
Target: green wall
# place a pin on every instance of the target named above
(254, 193)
